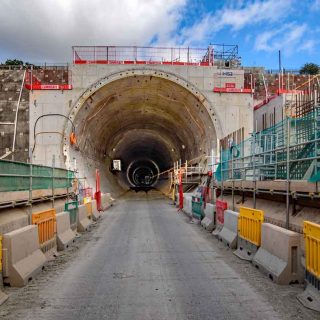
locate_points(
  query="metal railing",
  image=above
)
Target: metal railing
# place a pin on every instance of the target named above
(153, 55)
(21, 183)
(290, 150)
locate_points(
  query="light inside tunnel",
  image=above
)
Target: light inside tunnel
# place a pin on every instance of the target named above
(147, 122)
(143, 173)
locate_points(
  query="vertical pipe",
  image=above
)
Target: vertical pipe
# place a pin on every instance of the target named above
(31, 77)
(280, 67)
(309, 85)
(265, 86)
(315, 137)
(232, 176)
(288, 174)
(16, 115)
(254, 169)
(186, 171)
(212, 160)
(52, 172)
(221, 171)
(30, 185)
(174, 182)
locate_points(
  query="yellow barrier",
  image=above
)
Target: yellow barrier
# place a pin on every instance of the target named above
(249, 224)
(46, 225)
(311, 232)
(89, 209)
(86, 200)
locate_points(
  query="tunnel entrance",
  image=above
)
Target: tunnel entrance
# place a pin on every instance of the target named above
(145, 121)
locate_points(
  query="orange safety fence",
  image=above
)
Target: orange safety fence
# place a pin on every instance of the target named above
(46, 222)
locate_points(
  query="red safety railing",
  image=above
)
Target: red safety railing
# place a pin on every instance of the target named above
(143, 55)
(48, 78)
(220, 207)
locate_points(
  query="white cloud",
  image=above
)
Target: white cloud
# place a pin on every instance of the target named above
(287, 38)
(307, 45)
(237, 15)
(45, 30)
(315, 5)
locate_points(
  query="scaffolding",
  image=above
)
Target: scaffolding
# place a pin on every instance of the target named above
(25, 183)
(156, 55)
(288, 150)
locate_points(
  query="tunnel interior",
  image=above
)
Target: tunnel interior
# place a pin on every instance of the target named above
(147, 123)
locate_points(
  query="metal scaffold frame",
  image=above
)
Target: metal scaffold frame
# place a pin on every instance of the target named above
(20, 180)
(288, 152)
(154, 55)
(289, 149)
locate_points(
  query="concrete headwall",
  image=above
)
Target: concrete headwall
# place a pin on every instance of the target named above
(228, 111)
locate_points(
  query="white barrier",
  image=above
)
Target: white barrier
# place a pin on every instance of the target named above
(65, 235)
(22, 256)
(278, 255)
(208, 221)
(83, 222)
(229, 232)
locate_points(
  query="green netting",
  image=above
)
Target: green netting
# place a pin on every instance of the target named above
(263, 156)
(15, 176)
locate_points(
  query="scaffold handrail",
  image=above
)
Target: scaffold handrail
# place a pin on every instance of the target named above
(153, 55)
(288, 150)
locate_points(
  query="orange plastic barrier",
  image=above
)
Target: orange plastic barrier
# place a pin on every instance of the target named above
(46, 222)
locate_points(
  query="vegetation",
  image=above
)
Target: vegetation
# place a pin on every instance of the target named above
(310, 68)
(14, 62)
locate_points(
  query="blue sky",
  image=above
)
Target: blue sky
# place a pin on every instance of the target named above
(260, 28)
(44, 31)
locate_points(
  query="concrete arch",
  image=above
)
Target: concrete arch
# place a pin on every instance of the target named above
(168, 116)
(177, 79)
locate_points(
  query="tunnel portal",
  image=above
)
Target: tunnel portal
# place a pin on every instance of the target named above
(146, 122)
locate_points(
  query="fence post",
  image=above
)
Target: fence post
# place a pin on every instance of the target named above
(52, 186)
(30, 186)
(221, 161)
(288, 175)
(232, 176)
(254, 170)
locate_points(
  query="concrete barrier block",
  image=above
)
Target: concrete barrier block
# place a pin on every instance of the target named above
(96, 215)
(245, 249)
(229, 232)
(22, 257)
(278, 255)
(65, 236)
(208, 221)
(187, 204)
(3, 297)
(83, 222)
(59, 208)
(106, 201)
(310, 298)
(217, 230)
